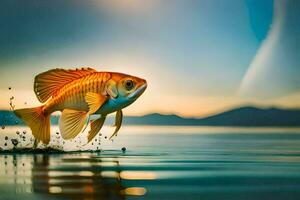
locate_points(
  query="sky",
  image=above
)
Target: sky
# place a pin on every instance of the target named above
(198, 56)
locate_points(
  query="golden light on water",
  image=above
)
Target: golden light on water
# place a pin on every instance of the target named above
(55, 189)
(65, 173)
(85, 173)
(134, 191)
(135, 175)
(109, 174)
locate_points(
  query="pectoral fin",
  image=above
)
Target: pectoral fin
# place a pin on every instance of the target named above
(111, 89)
(96, 126)
(118, 123)
(95, 101)
(72, 122)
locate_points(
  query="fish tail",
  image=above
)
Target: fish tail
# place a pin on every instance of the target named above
(38, 121)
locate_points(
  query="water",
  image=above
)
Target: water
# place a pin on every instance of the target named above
(161, 163)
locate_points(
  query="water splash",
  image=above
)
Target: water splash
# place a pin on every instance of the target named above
(20, 139)
(11, 104)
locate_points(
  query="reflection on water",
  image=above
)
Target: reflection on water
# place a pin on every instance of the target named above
(68, 176)
(176, 163)
(16, 138)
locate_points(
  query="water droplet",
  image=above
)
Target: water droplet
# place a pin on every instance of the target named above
(17, 132)
(57, 133)
(15, 142)
(9, 88)
(123, 149)
(17, 122)
(105, 137)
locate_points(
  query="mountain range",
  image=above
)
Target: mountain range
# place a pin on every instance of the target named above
(242, 116)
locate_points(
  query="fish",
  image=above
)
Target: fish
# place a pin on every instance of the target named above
(78, 94)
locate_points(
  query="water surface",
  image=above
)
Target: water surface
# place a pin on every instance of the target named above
(160, 163)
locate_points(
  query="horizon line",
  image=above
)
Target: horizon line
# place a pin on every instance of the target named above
(264, 107)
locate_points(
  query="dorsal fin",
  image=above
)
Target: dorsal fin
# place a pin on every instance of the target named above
(47, 83)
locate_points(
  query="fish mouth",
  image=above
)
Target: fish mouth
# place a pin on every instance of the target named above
(138, 92)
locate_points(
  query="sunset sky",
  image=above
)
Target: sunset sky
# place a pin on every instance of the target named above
(199, 57)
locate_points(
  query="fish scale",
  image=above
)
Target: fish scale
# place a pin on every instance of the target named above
(74, 92)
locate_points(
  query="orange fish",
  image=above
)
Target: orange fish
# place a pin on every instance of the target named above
(78, 94)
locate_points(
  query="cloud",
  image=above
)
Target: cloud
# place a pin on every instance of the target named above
(275, 68)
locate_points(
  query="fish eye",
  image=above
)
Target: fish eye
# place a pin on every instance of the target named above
(128, 84)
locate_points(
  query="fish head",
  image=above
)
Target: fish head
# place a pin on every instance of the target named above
(123, 90)
(131, 87)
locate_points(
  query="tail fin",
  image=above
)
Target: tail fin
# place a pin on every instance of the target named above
(38, 122)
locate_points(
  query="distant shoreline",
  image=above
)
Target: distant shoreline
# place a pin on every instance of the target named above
(239, 117)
